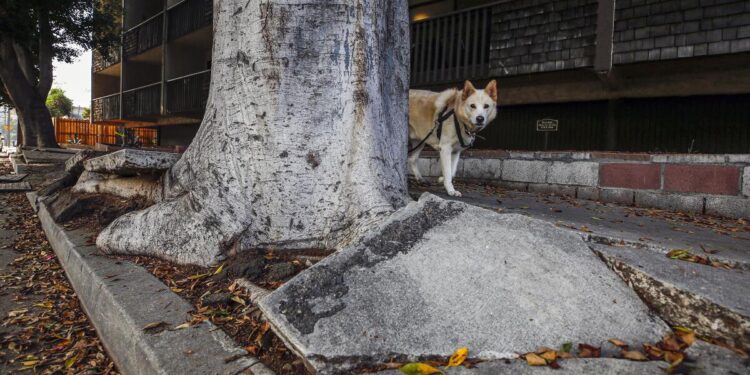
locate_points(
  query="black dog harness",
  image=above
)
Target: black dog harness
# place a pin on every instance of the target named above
(438, 130)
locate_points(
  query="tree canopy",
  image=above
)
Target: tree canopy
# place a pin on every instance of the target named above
(58, 104)
(33, 34)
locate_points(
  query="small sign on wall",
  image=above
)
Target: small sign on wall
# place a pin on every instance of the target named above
(547, 125)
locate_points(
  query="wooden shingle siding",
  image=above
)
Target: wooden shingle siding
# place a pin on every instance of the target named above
(542, 36)
(654, 30)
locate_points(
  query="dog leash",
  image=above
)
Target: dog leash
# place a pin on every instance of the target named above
(444, 115)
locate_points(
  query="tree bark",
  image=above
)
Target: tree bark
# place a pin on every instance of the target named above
(303, 144)
(35, 120)
(45, 55)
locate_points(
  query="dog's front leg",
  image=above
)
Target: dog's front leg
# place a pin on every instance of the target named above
(446, 162)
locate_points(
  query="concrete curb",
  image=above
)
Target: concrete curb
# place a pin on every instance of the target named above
(120, 298)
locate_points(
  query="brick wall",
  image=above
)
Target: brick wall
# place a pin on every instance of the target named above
(540, 36)
(653, 30)
(713, 184)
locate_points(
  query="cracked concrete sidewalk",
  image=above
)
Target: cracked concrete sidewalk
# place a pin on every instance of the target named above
(634, 243)
(609, 221)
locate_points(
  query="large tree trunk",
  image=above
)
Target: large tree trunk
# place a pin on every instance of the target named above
(303, 144)
(34, 117)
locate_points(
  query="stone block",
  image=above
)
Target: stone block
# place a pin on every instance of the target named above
(620, 156)
(46, 157)
(689, 158)
(510, 185)
(620, 196)
(424, 283)
(734, 207)
(576, 173)
(709, 179)
(567, 190)
(526, 170)
(630, 175)
(485, 169)
(746, 182)
(588, 193)
(667, 201)
(739, 158)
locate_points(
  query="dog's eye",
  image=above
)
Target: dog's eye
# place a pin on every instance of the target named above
(474, 106)
(486, 106)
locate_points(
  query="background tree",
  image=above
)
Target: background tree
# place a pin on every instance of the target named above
(58, 104)
(303, 144)
(86, 113)
(33, 33)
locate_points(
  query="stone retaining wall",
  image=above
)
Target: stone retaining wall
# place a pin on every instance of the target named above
(710, 184)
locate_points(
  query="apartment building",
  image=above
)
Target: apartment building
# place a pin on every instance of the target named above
(624, 75)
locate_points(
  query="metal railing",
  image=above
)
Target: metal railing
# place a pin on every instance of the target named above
(144, 101)
(106, 108)
(144, 36)
(452, 47)
(188, 16)
(188, 94)
(102, 62)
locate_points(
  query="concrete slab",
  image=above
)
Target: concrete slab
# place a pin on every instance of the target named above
(439, 275)
(707, 359)
(120, 298)
(46, 157)
(577, 173)
(612, 223)
(12, 177)
(726, 206)
(674, 202)
(608, 366)
(74, 165)
(485, 169)
(712, 301)
(15, 186)
(129, 162)
(526, 170)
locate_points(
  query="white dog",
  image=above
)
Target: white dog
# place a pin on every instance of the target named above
(448, 121)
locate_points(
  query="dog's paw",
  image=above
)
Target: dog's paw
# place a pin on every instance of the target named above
(454, 193)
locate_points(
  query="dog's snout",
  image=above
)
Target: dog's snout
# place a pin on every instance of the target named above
(480, 119)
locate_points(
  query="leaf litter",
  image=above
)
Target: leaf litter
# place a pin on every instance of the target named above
(48, 333)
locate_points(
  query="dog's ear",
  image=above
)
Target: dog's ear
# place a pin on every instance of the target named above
(468, 90)
(491, 90)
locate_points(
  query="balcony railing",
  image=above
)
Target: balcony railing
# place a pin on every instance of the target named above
(143, 37)
(106, 108)
(451, 48)
(102, 62)
(188, 94)
(142, 102)
(188, 16)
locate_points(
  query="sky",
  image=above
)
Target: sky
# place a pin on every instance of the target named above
(75, 79)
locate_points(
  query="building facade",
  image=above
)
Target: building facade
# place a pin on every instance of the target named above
(625, 75)
(160, 75)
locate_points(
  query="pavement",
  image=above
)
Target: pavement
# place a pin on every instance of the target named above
(632, 242)
(657, 229)
(7, 304)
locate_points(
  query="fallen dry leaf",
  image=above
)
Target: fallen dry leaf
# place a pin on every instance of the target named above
(533, 359)
(634, 355)
(458, 357)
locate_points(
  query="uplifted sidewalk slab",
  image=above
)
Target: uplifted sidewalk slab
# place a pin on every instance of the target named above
(712, 301)
(129, 162)
(439, 275)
